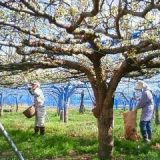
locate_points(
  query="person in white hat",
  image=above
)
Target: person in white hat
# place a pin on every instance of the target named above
(40, 108)
(147, 104)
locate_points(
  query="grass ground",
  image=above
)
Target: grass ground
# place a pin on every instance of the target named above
(76, 140)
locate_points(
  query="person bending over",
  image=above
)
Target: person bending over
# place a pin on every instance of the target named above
(147, 104)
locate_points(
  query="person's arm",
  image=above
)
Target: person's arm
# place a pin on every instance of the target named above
(40, 97)
(142, 101)
(30, 91)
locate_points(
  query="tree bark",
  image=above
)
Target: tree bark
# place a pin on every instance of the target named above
(17, 106)
(81, 108)
(66, 113)
(1, 104)
(1, 111)
(105, 132)
(61, 115)
(157, 120)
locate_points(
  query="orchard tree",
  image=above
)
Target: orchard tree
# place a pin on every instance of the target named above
(104, 40)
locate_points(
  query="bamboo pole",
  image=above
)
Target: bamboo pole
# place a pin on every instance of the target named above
(11, 143)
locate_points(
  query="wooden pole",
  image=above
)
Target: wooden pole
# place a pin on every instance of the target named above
(11, 143)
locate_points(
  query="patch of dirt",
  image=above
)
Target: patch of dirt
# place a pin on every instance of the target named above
(156, 146)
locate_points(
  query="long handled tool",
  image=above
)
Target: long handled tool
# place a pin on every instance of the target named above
(11, 143)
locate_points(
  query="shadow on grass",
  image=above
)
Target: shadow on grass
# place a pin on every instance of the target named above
(136, 150)
(51, 146)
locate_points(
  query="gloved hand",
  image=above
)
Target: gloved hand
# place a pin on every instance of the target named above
(31, 91)
(136, 109)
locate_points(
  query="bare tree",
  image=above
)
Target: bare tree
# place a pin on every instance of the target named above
(102, 40)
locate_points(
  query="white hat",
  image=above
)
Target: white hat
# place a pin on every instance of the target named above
(140, 85)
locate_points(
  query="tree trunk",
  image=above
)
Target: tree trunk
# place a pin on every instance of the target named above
(66, 105)
(66, 114)
(17, 106)
(105, 132)
(1, 111)
(61, 115)
(1, 104)
(61, 107)
(81, 108)
(157, 120)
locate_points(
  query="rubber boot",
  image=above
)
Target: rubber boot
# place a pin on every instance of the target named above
(36, 130)
(42, 130)
(149, 136)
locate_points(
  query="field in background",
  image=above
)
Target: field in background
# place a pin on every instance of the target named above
(76, 140)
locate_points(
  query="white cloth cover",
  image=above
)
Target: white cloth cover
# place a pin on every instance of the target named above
(40, 109)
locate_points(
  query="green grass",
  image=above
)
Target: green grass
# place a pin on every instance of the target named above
(76, 140)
